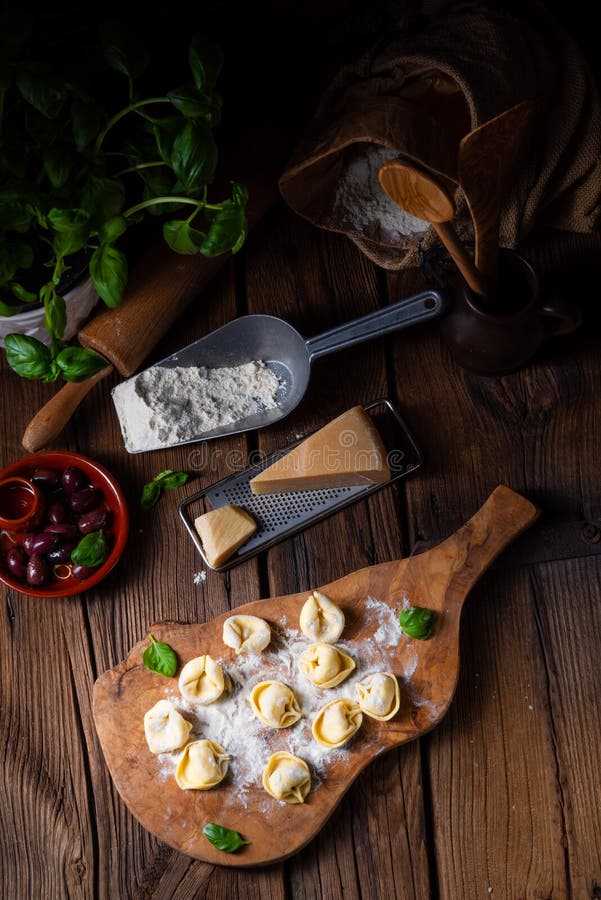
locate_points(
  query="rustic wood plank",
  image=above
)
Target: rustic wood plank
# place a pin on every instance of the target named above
(535, 430)
(497, 818)
(567, 600)
(47, 839)
(319, 281)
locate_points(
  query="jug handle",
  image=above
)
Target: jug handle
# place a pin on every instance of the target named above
(563, 317)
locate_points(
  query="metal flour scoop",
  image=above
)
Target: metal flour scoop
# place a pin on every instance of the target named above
(286, 353)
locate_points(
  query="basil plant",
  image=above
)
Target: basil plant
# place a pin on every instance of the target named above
(76, 177)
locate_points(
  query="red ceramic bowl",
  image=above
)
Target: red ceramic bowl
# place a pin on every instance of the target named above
(114, 499)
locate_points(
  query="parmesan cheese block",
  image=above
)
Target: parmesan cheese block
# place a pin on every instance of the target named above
(222, 531)
(347, 451)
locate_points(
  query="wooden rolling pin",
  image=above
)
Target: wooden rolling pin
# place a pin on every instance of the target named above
(161, 286)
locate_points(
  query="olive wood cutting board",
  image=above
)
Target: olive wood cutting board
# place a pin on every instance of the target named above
(439, 579)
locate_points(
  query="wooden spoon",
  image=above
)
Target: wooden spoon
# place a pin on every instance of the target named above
(417, 192)
(439, 579)
(487, 158)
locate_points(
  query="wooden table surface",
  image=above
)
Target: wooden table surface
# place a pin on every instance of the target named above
(503, 799)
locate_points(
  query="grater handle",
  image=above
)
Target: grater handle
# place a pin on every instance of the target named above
(402, 314)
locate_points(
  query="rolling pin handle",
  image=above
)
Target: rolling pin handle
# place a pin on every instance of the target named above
(48, 423)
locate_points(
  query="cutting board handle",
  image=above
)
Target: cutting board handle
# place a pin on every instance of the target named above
(476, 545)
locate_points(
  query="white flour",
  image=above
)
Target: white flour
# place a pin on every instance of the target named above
(232, 724)
(163, 406)
(362, 205)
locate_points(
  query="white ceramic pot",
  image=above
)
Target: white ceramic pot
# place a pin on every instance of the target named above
(80, 302)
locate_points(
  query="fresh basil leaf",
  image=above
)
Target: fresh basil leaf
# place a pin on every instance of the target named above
(66, 243)
(123, 50)
(181, 237)
(206, 61)
(57, 163)
(150, 495)
(239, 194)
(162, 475)
(55, 314)
(223, 838)
(91, 551)
(213, 113)
(39, 215)
(102, 199)
(21, 293)
(194, 156)
(160, 658)
(112, 229)
(72, 227)
(165, 133)
(52, 373)
(41, 87)
(169, 479)
(227, 231)
(108, 271)
(417, 622)
(27, 356)
(86, 118)
(66, 220)
(191, 102)
(77, 364)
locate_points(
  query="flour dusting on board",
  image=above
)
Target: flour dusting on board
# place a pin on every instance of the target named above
(231, 722)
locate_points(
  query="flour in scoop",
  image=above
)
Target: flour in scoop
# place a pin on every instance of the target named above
(163, 406)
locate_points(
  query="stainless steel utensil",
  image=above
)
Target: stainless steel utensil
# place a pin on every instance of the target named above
(288, 354)
(279, 516)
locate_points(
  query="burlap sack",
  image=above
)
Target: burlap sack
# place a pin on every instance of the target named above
(418, 93)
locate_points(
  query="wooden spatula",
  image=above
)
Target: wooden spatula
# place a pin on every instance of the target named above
(419, 193)
(439, 579)
(487, 158)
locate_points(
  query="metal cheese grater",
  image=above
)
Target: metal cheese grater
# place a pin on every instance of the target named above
(279, 516)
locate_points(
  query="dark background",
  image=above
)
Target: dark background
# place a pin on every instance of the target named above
(278, 56)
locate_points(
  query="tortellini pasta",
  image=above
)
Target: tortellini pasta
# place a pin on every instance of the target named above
(337, 722)
(275, 704)
(287, 777)
(202, 680)
(379, 696)
(321, 619)
(246, 634)
(202, 765)
(165, 728)
(326, 666)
